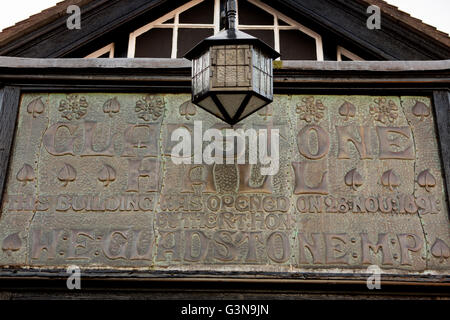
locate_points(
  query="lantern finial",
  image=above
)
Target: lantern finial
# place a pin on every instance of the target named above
(231, 14)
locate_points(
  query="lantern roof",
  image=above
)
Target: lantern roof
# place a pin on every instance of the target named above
(231, 37)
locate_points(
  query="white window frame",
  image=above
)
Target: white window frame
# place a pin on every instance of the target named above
(175, 14)
(342, 51)
(109, 48)
(161, 23)
(292, 25)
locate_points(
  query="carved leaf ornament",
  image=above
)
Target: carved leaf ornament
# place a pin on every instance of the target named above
(426, 180)
(347, 110)
(36, 107)
(353, 179)
(111, 106)
(26, 174)
(390, 179)
(187, 109)
(421, 110)
(67, 174)
(12, 243)
(107, 175)
(440, 250)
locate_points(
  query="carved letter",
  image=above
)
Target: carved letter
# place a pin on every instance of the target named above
(272, 247)
(245, 172)
(74, 244)
(135, 172)
(323, 142)
(165, 246)
(223, 239)
(406, 246)
(111, 244)
(313, 248)
(381, 244)
(346, 134)
(386, 144)
(137, 239)
(206, 178)
(141, 136)
(332, 247)
(252, 238)
(49, 139)
(190, 248)
(49, 244)
(300, 184)
(89, 127)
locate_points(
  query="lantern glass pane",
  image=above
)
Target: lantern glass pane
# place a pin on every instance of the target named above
(199, 65)
(253, 105)
(256, 72)
(205, 80)
(231, 102)
(263, 83)
(205, 71)
(201, 72)
(262, 74)
(208, 104)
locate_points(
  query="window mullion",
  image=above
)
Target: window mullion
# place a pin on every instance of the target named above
(276, 34)
(216, 16)
(175, 36)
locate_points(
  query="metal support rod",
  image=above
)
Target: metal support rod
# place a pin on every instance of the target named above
(231, 14)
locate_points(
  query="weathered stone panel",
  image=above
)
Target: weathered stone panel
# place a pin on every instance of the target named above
(92, 183)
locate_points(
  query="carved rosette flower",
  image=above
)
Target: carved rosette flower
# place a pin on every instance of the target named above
(12, 243)
(311, 110)
(150, 107)
(73, 107)
(384, 110)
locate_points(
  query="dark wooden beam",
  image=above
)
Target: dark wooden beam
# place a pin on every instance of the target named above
(104, 21)
(97, 19)
(346, 20)
(442, 109)
(174, 75)
(9, 104)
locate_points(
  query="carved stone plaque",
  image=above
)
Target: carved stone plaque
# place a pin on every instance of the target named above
(91, 182)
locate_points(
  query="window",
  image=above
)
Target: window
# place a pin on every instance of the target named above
(291, 39)
(345, 55)
(172, 35)
(105, 52)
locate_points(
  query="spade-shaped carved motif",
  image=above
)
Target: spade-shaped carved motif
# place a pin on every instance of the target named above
(12, 243)
(426, 180)
(67, 174)
(347, 110)
(440, 250)
(353, 179)
(187, 110)
(390, 179)
(107, 175)
(111, 106)
(421, 110)
(36, 107)
(25, 174)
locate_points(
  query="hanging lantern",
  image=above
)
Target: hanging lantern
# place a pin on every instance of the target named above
(232, 73)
